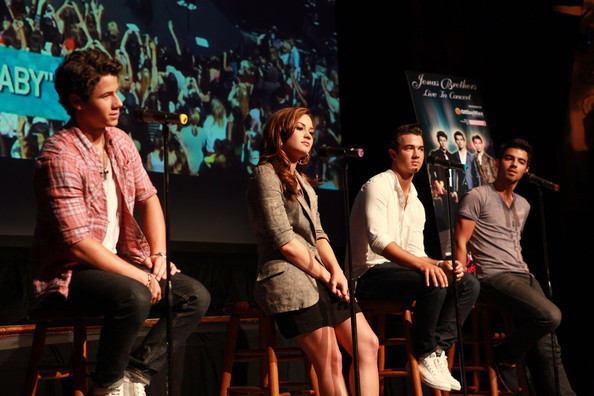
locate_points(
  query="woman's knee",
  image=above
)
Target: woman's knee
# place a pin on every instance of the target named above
(368, 346)
(323, 351)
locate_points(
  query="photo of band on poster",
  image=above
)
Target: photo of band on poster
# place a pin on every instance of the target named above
(459, 149)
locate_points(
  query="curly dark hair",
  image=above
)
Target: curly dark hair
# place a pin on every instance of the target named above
(79, 73)
(279, 127)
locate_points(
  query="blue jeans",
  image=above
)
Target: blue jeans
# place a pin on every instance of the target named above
(125, 304)
(535, 318)
(434, 323)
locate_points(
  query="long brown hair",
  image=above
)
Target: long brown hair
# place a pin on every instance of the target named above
(278, 128)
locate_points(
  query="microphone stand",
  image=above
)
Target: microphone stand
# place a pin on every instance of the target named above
(548, 279)
(168, 289)
(455, 285)
(351, 281)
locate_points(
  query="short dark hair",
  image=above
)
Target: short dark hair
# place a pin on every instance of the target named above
(441, 133)
(516, 143)
(79, 73)
(459, 133)
(413, 129)
(477, 137)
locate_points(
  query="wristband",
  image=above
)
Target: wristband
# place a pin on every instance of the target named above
(150, 281)
(159, 254)
(439, 263)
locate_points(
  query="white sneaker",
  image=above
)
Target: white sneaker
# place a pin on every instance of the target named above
(133, 385)
(431, 374)
(442, 364)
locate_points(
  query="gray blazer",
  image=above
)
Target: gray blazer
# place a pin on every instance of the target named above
(280, 285)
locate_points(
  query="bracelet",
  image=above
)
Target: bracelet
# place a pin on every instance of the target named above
(159, 254)
(439, 263)
(150, 281)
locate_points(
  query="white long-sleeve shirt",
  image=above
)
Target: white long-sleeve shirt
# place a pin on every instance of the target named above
(381, 215)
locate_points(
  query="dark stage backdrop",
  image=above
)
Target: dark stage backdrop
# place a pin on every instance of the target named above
(226, 64)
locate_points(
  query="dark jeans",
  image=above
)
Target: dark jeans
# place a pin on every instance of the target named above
(125, 304)
(535, 318)
(434, 323)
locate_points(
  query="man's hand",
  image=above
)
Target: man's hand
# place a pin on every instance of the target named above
(434, 275)
(154, 288)
(158, 266)
(456, 272)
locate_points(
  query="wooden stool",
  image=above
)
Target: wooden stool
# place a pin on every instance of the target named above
(480, 362)
(376, 312)
(267, 353)
(60, 321)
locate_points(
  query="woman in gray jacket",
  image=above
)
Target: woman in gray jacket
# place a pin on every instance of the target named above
(299, 280)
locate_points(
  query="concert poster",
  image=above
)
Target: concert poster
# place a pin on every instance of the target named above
(451, 113)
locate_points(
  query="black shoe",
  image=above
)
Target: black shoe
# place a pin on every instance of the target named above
(508, 377)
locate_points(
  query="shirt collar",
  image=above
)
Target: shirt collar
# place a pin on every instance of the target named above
(83, 138)
(398, 189)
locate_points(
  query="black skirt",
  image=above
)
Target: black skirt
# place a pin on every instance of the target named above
(328, 311)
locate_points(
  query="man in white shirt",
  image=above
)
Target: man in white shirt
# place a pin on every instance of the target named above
(389, 260)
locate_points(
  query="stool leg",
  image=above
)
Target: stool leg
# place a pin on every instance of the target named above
(522, 380)
(269, 342)
(493, 387)
(414, 365)
(35, 358)
(228, 358)
(476, 379)
(79, 358)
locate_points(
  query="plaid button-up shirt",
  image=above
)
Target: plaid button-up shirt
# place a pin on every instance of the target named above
(72, 204)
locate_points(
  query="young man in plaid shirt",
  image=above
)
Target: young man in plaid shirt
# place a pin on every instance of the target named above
(89, 252)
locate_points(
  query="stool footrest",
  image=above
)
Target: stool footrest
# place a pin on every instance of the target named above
(248, 355)
(393, 373)
(52, 373)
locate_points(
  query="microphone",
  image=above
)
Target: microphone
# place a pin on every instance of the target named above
(148, 115)
(539, 181)
(444, 163)
(339, 152)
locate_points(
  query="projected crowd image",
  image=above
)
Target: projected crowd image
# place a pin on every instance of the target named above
(226, 72)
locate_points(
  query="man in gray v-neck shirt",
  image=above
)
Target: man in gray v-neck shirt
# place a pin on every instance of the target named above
(490, 220)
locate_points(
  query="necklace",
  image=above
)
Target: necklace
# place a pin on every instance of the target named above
(104, 162)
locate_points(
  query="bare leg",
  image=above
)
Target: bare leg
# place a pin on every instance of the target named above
(321, 347)
(368, 345)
